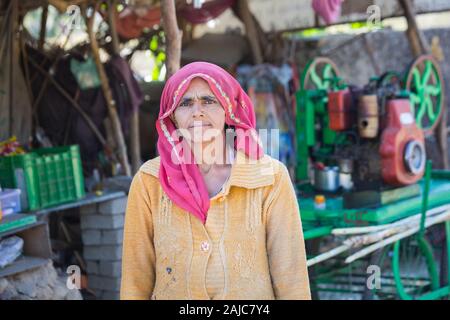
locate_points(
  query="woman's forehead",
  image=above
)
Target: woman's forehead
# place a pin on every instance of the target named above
(198, 87)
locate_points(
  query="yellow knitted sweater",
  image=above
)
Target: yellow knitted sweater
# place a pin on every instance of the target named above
(251, 246)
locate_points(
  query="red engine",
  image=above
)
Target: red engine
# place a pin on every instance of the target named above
(402, 145)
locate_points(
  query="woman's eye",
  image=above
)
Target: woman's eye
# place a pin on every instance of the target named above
(184, 104)
(208, 101)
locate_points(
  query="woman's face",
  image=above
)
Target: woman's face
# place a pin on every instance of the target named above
(199, 114)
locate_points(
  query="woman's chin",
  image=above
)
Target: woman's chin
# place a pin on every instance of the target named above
(202, 140)
(203, 136)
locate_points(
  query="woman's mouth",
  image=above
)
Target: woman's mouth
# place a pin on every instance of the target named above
(200, 125)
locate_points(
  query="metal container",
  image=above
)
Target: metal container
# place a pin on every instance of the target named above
(326, 179)
(346, 165)
(345, 180)
(368, 116)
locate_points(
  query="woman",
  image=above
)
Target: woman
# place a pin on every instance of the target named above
(212, 217)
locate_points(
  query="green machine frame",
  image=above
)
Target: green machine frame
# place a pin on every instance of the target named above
(423, 83)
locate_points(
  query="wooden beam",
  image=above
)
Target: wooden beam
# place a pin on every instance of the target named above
(442, 138)
(416, 38)
(135, 144)
(44, 16)
(251, 30)
(112, 26)
(111, 104)
(173, 37)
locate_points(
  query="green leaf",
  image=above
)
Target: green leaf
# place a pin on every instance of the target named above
(154, 43)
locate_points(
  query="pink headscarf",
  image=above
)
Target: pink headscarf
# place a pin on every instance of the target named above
(329, 10)
(181, 181)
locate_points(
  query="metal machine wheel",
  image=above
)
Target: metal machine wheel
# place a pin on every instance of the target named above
(319, 74)
(424, 82)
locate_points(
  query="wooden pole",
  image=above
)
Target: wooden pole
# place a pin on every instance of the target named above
(442, 137)
(112, 26)
(111, 104)
(173, 37)
(251, 30)
(43, 27)
(416, 38)
(13, 71)
(135, 144)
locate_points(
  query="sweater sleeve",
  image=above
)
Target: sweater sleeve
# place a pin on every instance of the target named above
(285, 242)
(138, 257)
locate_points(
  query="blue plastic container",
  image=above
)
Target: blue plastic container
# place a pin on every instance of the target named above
(10, 201)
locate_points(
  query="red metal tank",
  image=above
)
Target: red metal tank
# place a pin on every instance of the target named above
(402, 146)
(340, 110)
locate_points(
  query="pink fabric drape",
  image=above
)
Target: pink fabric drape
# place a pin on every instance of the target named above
(329, 10)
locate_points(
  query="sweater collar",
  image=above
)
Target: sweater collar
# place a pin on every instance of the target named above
(245, 172)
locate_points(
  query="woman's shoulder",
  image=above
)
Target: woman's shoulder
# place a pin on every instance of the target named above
(254, 173)
(278, 168)
(151, 167)
(147, 175)
(265, 165)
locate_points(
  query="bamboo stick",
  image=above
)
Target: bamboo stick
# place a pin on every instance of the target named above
(417, 39)
(350, 243)
(327, 255)
(112, 26)
(364, 252)
(43, 30)
(111, 104)
(358, 241)
(135, 144)
(360, 230)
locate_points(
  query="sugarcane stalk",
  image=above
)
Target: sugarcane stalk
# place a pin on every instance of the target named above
(364, 252)
(360, 230)
(328, 255)
(361, 240)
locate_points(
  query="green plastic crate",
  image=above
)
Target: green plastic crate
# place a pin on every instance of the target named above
(50, 176)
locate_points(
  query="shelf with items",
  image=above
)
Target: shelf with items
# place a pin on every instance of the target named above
(36, 246)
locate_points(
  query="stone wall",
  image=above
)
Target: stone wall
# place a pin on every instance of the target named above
(102, 235)
(42, 283)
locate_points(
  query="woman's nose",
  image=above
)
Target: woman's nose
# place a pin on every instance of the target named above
(197, 109)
